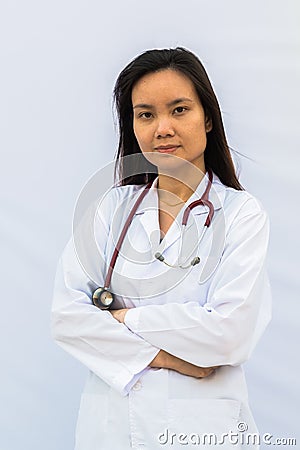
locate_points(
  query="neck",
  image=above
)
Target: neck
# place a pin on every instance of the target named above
(180, 186)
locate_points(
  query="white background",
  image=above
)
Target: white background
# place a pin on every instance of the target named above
(59, 62)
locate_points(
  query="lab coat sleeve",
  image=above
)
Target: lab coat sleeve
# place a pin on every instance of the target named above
(225, 330)
(91, 335)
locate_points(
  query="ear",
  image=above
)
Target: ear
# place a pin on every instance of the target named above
(208, 124)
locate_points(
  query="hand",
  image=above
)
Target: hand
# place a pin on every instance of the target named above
(167, 361)
(191, 370)
(119, 314)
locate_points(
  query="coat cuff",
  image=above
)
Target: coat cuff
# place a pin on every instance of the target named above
(132, 319)
(126, 378)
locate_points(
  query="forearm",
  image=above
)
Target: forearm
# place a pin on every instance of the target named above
(104, 346)
(201, 336)
(165, 360)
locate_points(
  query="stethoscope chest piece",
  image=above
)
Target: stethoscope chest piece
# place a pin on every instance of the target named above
(102, 298)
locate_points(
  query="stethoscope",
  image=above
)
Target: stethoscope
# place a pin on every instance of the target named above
(102, 297)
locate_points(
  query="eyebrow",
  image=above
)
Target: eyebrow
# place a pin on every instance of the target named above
(172, 103)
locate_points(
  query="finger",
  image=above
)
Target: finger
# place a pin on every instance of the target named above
(207, 372)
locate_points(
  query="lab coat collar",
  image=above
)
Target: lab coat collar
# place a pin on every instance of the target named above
(216, 196)
(148, 210)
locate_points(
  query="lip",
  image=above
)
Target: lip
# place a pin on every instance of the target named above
(166, 148)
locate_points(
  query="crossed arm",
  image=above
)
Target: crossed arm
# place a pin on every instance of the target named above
(165, 360)
(226, 329)
(222, 332)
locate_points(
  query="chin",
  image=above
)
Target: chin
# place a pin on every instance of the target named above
(168, 163)
(164, 159)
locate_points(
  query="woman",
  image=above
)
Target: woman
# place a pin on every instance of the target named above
(166, 357)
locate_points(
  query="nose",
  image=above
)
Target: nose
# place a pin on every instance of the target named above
(164, 128)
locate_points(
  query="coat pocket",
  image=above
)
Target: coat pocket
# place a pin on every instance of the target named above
(92, 421)
(204, 422)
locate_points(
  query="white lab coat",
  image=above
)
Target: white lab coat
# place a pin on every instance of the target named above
(211, 314)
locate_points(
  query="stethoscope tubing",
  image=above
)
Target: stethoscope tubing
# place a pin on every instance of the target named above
(123, 234)
(202, 201)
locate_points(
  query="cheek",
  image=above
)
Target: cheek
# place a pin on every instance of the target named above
(143, 137)
(195, 133)
(199, 130)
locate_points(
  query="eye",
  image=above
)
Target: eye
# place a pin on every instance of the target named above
(180, 109)
(145, 115)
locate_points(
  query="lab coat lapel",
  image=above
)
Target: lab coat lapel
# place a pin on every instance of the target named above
(150, 224)
(173, 233)
(149, 220)
(148, 215)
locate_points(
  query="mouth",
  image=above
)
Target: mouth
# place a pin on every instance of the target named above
(166, 148)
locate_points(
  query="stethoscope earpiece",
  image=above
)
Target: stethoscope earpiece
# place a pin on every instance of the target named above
(194, 261)
(159, 256)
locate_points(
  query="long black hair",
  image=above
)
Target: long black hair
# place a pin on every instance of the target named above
(138, 170)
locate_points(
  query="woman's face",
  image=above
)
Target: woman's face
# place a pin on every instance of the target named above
(168, 119)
